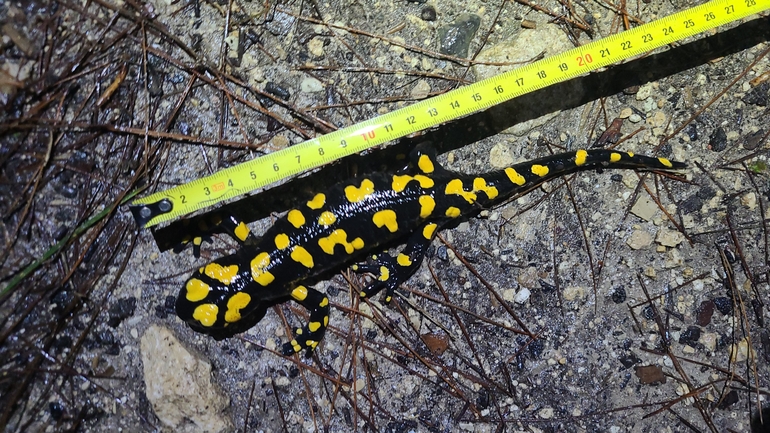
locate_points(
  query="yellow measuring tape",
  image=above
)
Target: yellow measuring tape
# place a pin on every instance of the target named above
(257, 173)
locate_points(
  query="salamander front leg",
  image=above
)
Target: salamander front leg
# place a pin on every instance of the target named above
(311, 334)
(389, 272)
(217, 223)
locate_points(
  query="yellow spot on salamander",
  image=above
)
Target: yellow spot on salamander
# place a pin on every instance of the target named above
(241, 231)
(295, 346)
(300, 255)
(384, 273)
(296, 218)
(427, 204)
(326, 219)
(515, 177)
(326, 320)
(224, 274)
(615, 157)
(355, 194)
(314, 326)
(299, 293)
(403, 260)
(235, 304)
(339, 236)
(630, 154)
(281, 241)
(665, 162)
(580, 157)
(258, 272)
(311, 344)
(206, 314)
(539, 170)
(480, 184)
(324, 302)
(429, 230)
(401, 181)
(452, 212)
(317, 202)
(196, 290)
(425, 164)
(455, 186)
(386, 218)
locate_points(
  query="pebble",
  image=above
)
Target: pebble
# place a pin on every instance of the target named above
(644, 208)
(639, 239)
(311, 85)
(626, 113)
(749, 200)
(522, 296)
(500, 156)
(546, 413)
(644, 92)
(455, 38)
(316, 47)
(428, 13)
(669, 238)
(718, 140)
(574, 292)
(420, 90)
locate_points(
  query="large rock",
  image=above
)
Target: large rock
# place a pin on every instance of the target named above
(179, 385)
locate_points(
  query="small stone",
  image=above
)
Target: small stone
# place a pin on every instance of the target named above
(740, 352)
(509, 295)
(690, 336)
(709, 341)
(500, 156)
(311, 85)
(669, 238)
(724, 305)
(546, 413)
(455, 38)
(674, 259)
(639, 239)
(316, 47)
(718, 140)
(749, 200)
(704, 312)
(574, 292)
(758, 95)
(650, 374)
(618, 295)
(522, 296)
(529, 278)
(625, 113)
(635, 118)
(420, 90)
(644, 208)
(644, 92)
(428, 13)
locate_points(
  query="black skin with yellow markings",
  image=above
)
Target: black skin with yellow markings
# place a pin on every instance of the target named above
(339, 227)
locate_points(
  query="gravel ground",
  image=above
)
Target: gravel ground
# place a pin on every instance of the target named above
(612, 301)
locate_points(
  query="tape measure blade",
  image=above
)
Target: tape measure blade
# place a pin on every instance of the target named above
(452, 105)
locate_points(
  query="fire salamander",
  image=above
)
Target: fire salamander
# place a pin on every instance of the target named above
(361, 216)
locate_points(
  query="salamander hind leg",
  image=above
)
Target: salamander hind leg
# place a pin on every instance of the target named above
(311, 334)
(389, 271)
